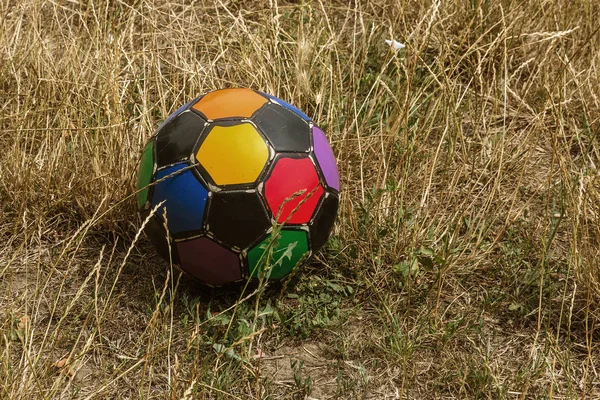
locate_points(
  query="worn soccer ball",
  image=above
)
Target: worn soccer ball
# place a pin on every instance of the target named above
(244, 184)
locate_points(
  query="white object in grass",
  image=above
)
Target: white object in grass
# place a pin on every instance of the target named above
(395, 45)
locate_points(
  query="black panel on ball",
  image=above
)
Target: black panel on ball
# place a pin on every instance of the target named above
(176, 140)
(285, 130)
(323, 221)
(155, 231)
(237, 218)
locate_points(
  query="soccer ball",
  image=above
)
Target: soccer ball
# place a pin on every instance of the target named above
(244, 185)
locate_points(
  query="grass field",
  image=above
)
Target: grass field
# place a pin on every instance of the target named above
(465, 261)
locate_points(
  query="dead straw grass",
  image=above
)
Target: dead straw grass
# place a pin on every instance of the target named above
(469, 229)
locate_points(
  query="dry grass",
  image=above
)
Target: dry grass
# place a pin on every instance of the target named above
(466, 258)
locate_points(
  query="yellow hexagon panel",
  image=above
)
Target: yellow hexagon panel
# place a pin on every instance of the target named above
(233, 155)
(230, 103)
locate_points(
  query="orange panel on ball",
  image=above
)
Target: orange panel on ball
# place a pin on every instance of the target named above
(230, 103)
(233, 155)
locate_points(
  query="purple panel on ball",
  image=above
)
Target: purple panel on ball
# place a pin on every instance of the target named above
(209, 261)
(325, 158)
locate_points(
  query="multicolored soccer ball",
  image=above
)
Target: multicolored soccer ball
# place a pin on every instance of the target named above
(245, 183)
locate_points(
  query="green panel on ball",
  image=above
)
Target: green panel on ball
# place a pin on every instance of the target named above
(285, 251)
(145, 173)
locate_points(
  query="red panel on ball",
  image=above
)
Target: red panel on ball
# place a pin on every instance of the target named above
(289, 177)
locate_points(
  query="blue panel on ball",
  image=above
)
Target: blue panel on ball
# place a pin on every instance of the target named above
(288, 106)
(184, 196)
